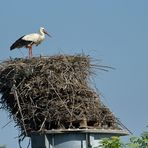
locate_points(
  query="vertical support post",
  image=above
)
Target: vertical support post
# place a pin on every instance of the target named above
(53, 138)
(88, 144)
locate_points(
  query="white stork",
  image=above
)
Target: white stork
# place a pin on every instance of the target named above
(29, 40)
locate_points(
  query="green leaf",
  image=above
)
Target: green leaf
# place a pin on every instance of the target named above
(133, 145)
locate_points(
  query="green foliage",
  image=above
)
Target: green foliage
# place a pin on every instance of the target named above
(134, 142)
(113, 142)
(138, 142)
(144, 134)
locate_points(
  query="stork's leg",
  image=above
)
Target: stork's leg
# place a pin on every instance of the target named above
(30, 51)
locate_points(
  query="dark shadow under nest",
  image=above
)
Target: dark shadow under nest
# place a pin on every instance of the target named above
(45, 93)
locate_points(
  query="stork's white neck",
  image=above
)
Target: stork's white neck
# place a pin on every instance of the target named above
(42, 33)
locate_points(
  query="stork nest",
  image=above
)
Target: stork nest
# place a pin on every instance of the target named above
(45, 93)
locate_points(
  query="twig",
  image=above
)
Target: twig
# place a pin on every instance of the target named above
(7, 124)
(42, 124)
(60, 98)
(17, 99)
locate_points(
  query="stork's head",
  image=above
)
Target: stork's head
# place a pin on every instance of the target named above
(42, 30)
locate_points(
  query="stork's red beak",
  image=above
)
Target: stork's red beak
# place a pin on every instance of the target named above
(47, 33)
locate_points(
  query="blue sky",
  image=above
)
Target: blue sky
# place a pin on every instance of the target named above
(113, 31)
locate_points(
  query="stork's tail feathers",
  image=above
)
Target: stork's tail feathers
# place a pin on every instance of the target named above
(12, 47)
(16, 44)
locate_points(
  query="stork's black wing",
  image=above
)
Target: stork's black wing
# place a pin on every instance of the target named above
(20, 43)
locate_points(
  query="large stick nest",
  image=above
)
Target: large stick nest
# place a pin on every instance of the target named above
(45, 93)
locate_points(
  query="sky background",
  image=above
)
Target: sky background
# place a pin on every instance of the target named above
(115, 32)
